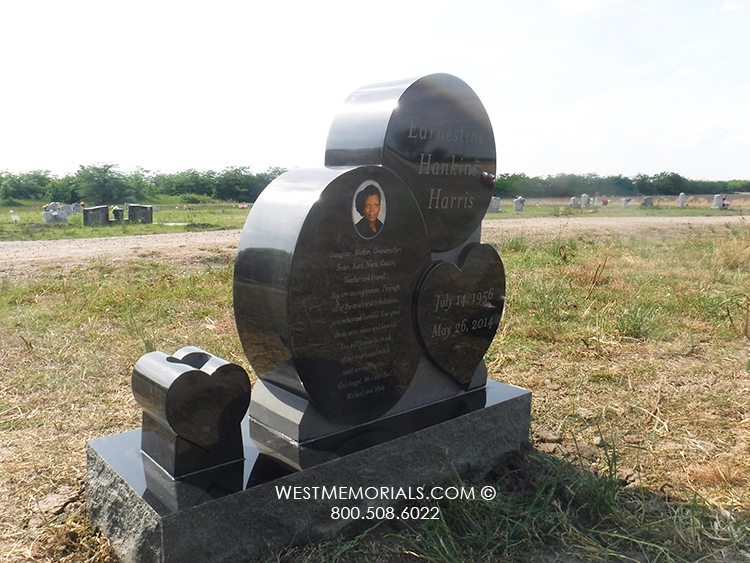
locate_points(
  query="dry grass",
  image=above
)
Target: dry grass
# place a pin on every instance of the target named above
(636, 352)
(647, 351)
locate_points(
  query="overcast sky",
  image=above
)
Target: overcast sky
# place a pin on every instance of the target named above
(574, 86)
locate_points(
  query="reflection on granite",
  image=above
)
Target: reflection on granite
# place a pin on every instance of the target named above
(268, 456)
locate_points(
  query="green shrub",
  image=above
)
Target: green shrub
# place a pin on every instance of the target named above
(192, 198)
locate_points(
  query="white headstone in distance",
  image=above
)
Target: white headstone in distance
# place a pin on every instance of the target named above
(681, 200)
(518, 203)
(47, 216)
(574, 204)
(625, 201)
(585, 200)
(717, 202)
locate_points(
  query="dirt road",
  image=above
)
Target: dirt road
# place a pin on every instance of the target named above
(23, 259)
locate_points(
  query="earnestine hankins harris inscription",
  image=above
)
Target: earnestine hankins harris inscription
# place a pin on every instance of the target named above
(435, 134)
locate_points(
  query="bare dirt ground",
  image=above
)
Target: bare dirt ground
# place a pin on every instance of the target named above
(21, 259)
(598, 227)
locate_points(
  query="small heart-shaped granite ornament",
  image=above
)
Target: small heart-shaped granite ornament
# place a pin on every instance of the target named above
(202, 404)
(193, 407)
(459, 310)
(205, 408)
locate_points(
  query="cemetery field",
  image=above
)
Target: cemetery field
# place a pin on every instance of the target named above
(167, 218)
(633, 334)
(173, 218)
(663, 206)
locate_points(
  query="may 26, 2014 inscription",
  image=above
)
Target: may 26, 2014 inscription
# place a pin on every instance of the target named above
(459, 309)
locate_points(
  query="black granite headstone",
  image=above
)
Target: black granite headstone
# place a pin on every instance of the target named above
(332, 263)
(365, 303)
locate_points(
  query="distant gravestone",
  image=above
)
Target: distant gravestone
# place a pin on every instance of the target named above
(140, 213)
(647, 201)
(574, 203)
(97, 215)
(47, 217)
(585, 200)
(495, 205)
(76, 207)
(717, 202)
(681, 200)
(518, 203)
(625, 201)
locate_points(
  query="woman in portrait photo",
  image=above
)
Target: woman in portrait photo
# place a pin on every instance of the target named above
(368, 203)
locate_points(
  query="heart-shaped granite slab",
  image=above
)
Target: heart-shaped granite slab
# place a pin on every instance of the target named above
(459, 310)
(203, 404)
(205, 408)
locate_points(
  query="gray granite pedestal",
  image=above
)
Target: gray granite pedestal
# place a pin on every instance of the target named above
(237, 511)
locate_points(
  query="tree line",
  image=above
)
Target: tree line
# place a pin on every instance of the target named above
(569, 185)
(105, 184)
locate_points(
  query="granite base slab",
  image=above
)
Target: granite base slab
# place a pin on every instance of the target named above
(239, 510)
